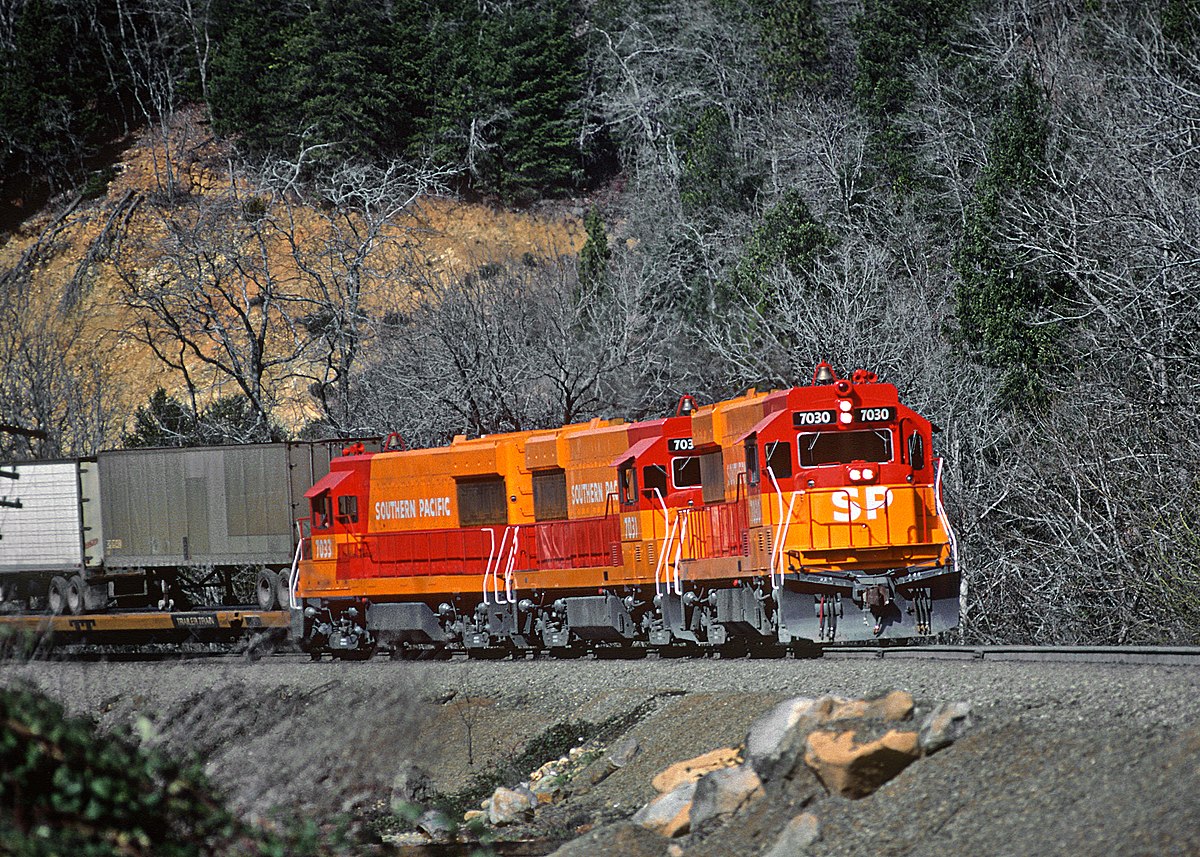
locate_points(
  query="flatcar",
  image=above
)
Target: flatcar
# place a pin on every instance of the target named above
(806, 515)
(167, 529)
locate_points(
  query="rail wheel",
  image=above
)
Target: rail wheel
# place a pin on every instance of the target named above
(76, 594)
(57, 596)
(267, 588)
(283, 591)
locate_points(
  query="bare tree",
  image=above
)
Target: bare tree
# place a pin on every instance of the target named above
(349, 233)
(214, 304)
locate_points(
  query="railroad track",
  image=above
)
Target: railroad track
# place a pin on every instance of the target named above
(1188, 656)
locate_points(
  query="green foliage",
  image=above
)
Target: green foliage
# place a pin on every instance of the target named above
(1181, 22)
(58, 100)
(712, 177)
(64, 790)
(892, 34)
(788, 237)
(794, 45)
(595, 253)
(998, 299)
(167, 421)
(495, 88)
(67, 789)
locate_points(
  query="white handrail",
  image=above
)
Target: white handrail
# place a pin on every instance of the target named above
(487, 569)
(777, 548)
(496, 568)
(295, 578)
(660, 565)
(787, 525)
(941, 511)
(679, 548)
(512, 561)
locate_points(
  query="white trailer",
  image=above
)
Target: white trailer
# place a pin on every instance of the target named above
(51, 532)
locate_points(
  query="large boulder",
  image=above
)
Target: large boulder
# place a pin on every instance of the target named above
(622, 839)
(509, 806)
(691, 770)
(436, 825)
(669, 814)
(856, 770)
(796, 836)
(411, 787)
(944, 725)
(723, 792)
(776, 741)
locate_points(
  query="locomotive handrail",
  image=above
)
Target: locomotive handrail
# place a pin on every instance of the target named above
(942, 516)
(295, 578)
(679, 549)
(487, 569)
(508, 569)
(780, 531)
(668, 534)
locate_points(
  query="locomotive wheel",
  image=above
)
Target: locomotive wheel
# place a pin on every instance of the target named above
(284, 590)
(57, 596)
(266, 589)
(75, 594)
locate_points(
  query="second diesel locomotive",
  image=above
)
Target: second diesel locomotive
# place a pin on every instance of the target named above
(811, 514)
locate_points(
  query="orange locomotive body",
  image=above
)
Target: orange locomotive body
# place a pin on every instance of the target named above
(811, 514)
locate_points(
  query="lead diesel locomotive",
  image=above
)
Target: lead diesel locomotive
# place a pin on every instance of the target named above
(812, 514)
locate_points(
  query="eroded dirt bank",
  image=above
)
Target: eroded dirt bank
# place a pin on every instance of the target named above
(1061, 759)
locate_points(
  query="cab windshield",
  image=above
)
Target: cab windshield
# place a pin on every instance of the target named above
(842, 447)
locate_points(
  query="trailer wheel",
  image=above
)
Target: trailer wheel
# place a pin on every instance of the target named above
(267, 588)
(57, 596)
(284, 593)
(75, 595)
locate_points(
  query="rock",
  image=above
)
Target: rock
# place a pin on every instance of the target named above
(474, 815)
(623, 752)
(411, 787)
(856, 770)
(624, 838)
(546, 787)
(508, 806)
(723, 792)
(799, 833)
(693, 769)
(768, 731)
(944, 725)
(434, 824)
(669, 813)
(778, 739)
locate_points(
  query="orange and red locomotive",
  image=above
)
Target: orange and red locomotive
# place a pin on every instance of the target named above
(807, 514)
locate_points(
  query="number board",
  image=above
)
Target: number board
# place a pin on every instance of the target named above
(680, 444)
(813, 418)
(876, 415)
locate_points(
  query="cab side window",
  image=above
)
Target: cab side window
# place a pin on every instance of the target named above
(322, 512)
(916, 451)
(628, 484)
(348, 509)
(752, 470)
(779, 459)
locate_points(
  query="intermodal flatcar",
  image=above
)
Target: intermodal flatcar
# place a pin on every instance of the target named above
(811, 514)
(168, 529)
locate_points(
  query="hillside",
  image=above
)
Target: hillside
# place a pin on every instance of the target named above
(77, 267)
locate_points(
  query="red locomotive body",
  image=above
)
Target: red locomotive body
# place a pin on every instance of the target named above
(761, 520)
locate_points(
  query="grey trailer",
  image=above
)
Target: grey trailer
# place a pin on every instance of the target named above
(51, 533)
(207, 506)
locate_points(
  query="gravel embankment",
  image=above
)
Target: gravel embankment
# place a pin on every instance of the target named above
(1080, 759)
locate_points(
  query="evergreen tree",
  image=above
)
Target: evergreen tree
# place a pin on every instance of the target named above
(891, 35)
(998, 300)
(794, 46)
